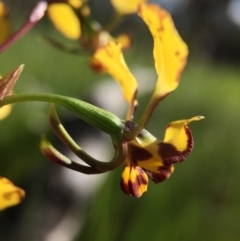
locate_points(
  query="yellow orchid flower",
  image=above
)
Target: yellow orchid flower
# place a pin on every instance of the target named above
(5, 24)
(148, 156)
(126, 6)
(10, 195)
(64, 18)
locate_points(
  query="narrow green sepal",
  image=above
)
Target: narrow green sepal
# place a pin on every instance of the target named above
(63, 135)
(51, 153)
(55, 156)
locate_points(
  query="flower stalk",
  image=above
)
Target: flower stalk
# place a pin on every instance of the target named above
(36, 14)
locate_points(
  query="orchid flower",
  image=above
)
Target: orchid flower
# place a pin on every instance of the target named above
(148, 156)
(143, 154)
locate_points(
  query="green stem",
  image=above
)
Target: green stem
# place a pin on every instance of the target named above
(93, 115)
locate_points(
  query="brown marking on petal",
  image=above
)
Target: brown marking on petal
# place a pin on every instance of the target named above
(140, 177)
(138, 154)
(161, 28)
(177, 53)
(8, 195)
(124, 187)
(163, 173)
(135, 187)
(170, 154)
(97, 66)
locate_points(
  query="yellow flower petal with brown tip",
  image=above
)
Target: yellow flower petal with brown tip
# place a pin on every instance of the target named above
(176, 133)
(134, 181)
(109, 58)
(170, 52)
(126, 6)
(10, 195)
(5, 25)
(178, 141)
(65, 20)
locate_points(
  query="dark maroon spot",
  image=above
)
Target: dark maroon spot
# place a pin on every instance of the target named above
(162, 174)
(160, 29)
(170, 154)
(134, 189)
(141, 176)
(97, 67)
(124, 187)
(138, 154)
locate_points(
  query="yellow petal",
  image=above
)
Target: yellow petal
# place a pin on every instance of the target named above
(65, 20)
(134, 181)
(178, 134)
(5, 25)
(109, 58)
(5, 111)
(126, 6)
(170, 52)
(10, 195)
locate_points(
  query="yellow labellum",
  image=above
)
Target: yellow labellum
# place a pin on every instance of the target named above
(65, 20)
(176, 134)
(126, 6)
(170, 52)
(5, 25)
(109, 58)
(10, 195)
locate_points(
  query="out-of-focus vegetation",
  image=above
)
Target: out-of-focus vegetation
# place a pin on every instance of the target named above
(201, 200)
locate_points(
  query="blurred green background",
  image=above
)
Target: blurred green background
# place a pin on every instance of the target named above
(201, 200)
